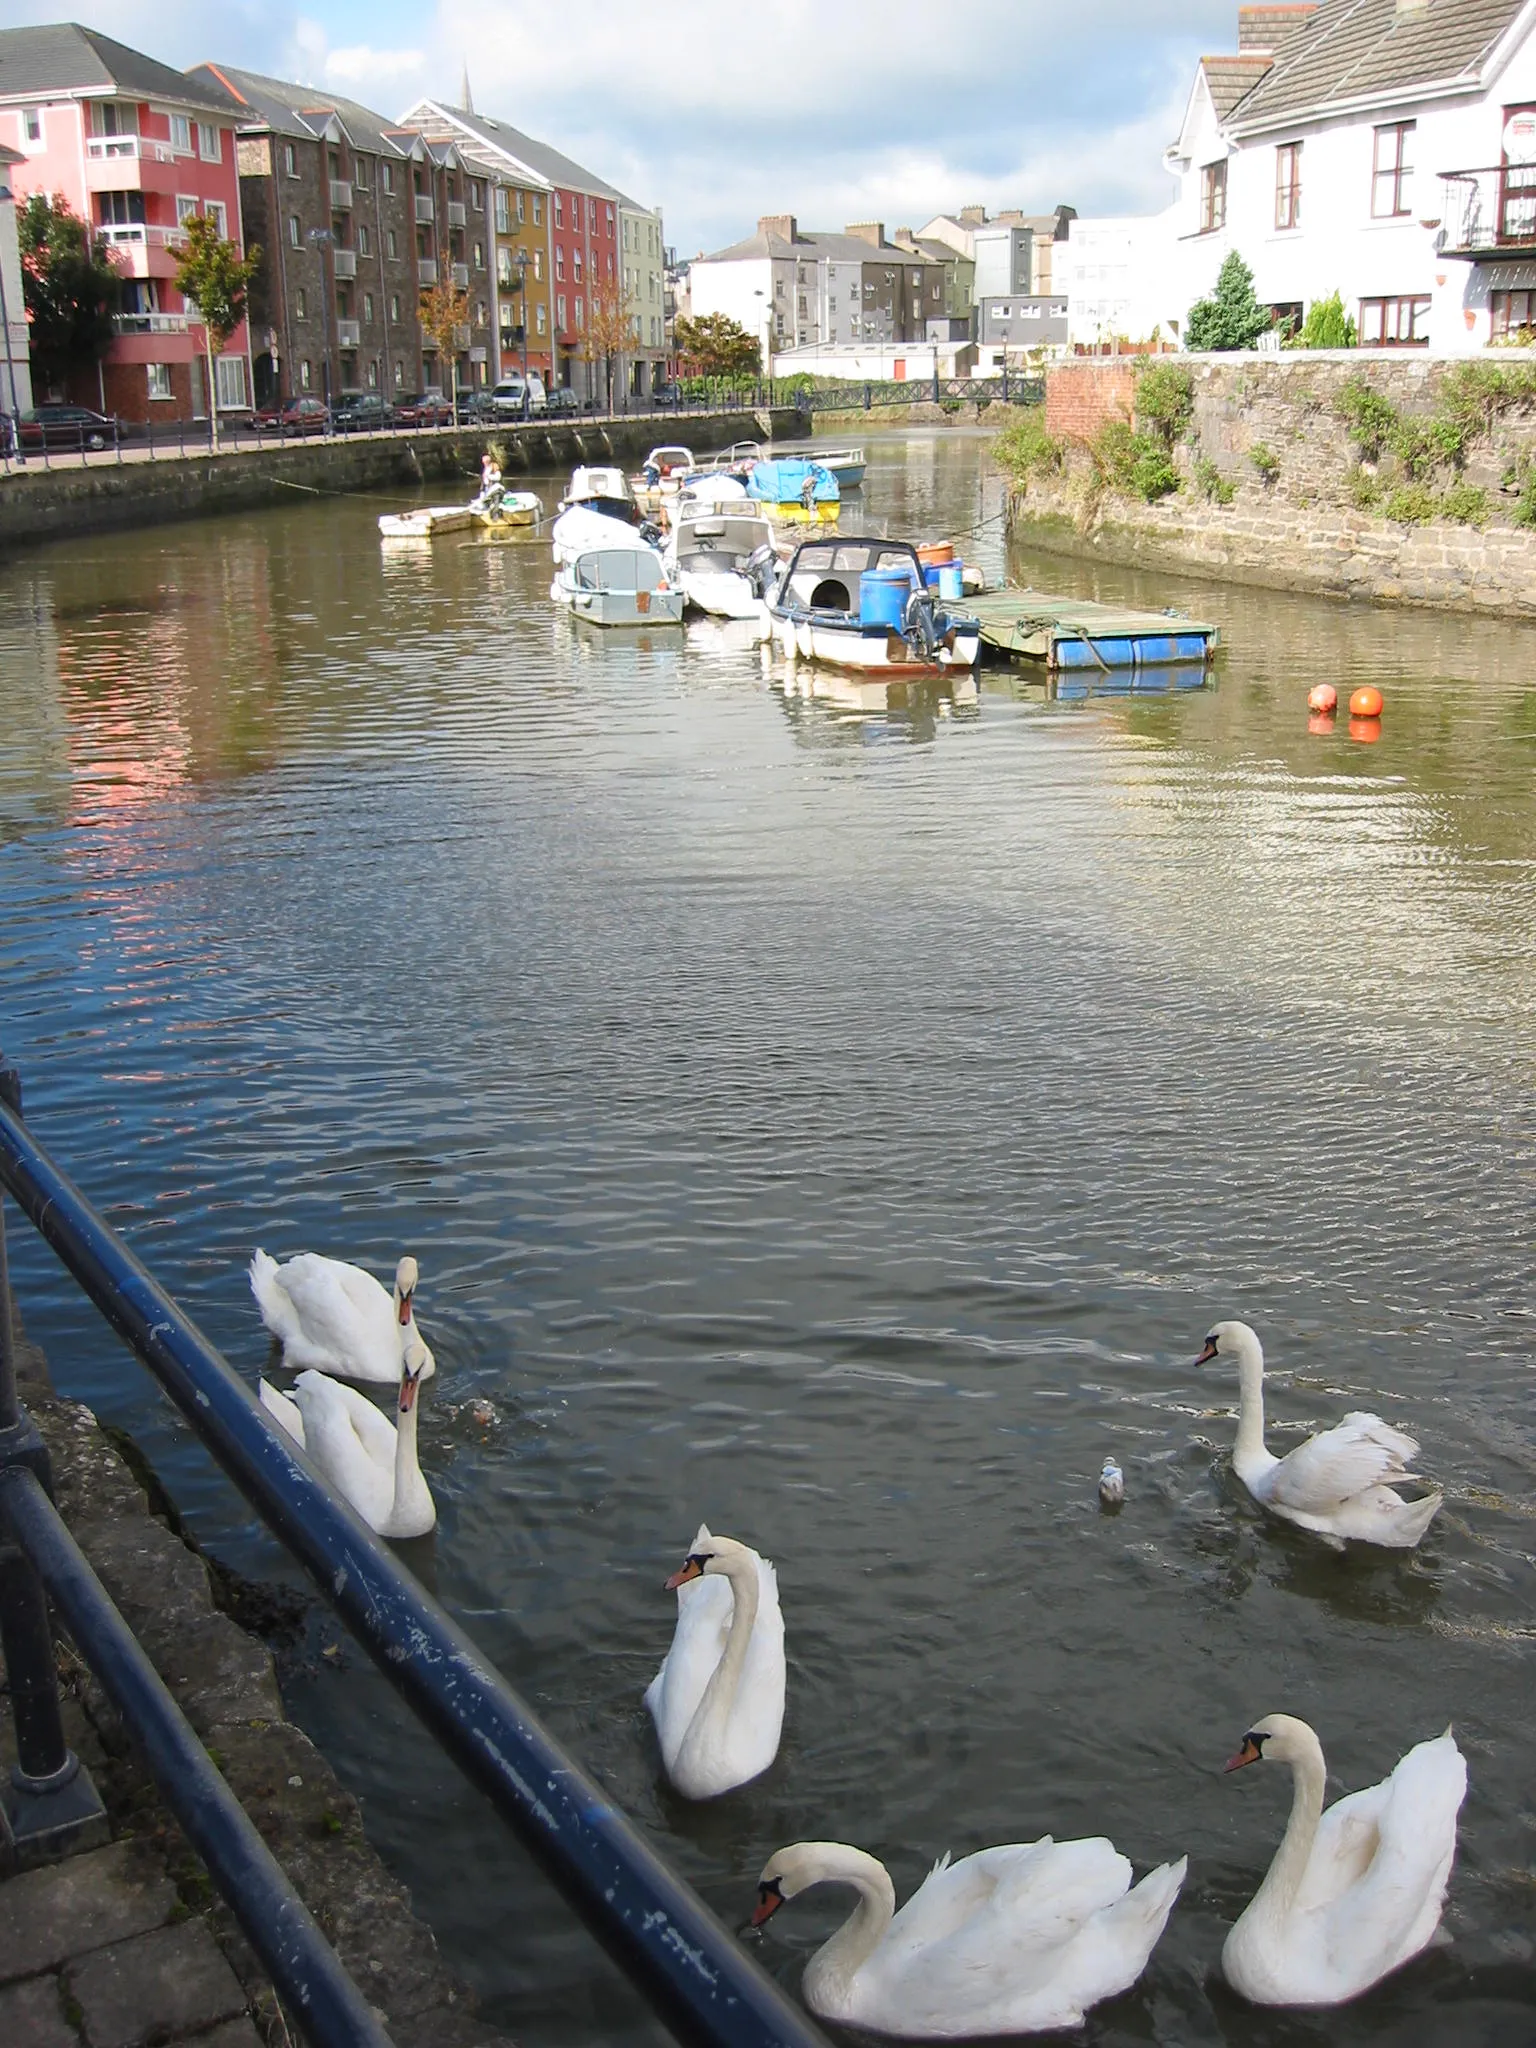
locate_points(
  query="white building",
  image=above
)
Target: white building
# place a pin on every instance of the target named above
(15, 363)
(1383, 149)
(792, 288)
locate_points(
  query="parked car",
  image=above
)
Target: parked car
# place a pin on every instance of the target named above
(69, 426)
(359, 412)
(298, 416)
(508, 397)
(424, 409)
(561, 398)
(665, 392)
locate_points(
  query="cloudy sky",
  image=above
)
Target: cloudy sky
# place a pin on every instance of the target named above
(837, 111)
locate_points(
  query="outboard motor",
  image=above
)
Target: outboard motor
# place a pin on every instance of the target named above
(759, 569)
(921, 629)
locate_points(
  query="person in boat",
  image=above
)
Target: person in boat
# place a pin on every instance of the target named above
(489, 499)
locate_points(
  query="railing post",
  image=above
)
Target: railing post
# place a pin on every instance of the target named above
(50, 1806)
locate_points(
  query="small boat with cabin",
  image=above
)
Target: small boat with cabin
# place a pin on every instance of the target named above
(664, 471)
(623, 584)
(795, 489)
(602, 489)
(724, 558)
(865, 603)
(582, 527)
(846, 464)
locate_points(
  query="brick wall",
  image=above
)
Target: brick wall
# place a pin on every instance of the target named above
(1081, 397)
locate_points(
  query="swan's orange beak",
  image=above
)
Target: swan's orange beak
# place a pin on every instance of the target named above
(769, 1900)
(1204, 1359)
(1250, 1753)
(408, 1386)
(693, 1568)
(405, 1309)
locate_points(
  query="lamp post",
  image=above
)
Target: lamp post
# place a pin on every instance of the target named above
(522, 322)
(323, 239)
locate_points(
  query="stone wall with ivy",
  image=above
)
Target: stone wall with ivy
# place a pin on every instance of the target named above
(1385, 475)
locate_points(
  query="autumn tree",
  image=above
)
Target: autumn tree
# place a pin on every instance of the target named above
(445, 321)
(715, 345)
(69, 286)
(610, 329)
(215, 280)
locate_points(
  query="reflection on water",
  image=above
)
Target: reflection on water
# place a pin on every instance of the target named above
(840, 1120)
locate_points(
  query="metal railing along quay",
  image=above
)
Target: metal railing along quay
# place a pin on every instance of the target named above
(694, 1973)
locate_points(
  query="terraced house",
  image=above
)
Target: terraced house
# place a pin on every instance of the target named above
(135, 148)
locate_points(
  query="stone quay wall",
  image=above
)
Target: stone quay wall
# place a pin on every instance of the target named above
(101, 494)
(1315, 517)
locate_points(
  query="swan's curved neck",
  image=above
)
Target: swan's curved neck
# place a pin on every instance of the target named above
(839, 1960)
(1309, 1777)
(720, 1693)
(409, 1482)
(1250, 1414)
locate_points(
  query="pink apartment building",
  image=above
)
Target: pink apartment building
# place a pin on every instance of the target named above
(135, 148)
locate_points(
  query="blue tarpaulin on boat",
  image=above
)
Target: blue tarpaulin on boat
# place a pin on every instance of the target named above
(785, 483)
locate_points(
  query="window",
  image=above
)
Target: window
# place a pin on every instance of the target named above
(210, 146)
(1213, 197)
(1394, 323)
(360, 179)
(159, 376)
(32, 124)
(477, 195)
(290, 161)
(394, 305)
(503, 211)
(1391, 171)
(373, 374)
(538, 209)
(364, 245)
(581, 316)
(186, 207)
(368, 307)
(1512, 314)
(399, 374)
(591, 214)
(229, 374)
(480, 313)
(387, 180)
(214, 208)
(521, 209)
(300, 306)
(304, 375)
(538, 265)
(391, 243)
(479, 255)
(576, 265)
(181, 134)
(295, 237)
(538, 320)
(559, 261)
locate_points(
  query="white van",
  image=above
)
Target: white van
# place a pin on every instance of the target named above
(507, 396)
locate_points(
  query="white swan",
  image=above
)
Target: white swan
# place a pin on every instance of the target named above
(371, 1462)
(1352, 1892)
(718, 1699)
(336, 1317)
(1339, 1483)
(1015, 1940)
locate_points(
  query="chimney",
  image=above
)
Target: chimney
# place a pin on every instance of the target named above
(784, 225)
(871, 231)
(973, 216)
(1262, 29)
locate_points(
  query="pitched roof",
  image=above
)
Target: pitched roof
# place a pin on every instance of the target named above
(811, 243)
(1227, 79)
(302, 111)
(1359, 50)
(63, 58)
(480, 133)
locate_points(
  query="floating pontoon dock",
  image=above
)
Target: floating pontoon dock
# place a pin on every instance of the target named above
(1074, 632)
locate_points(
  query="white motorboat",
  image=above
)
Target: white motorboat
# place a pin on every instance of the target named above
(583, 527)
(425, 522)
(620, 585)
(663, 473)
(724, 559)
(709, 487)
(864, 604)
(602, 489)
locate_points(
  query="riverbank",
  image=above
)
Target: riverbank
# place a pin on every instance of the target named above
(102, 494)
(1398, 480)
(129, 1942)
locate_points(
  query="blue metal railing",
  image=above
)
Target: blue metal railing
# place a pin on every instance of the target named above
(694, 1973)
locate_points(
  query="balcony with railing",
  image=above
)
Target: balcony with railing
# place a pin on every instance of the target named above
(140, 249)
(459, 272)
(346, 262)
(425, 211)
(154, 323)
(128, 163)
(349, 334)
(426, 270)
(341, 195)
(1488, 213)
(457, 216)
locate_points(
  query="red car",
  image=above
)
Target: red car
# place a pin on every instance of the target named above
(424, 409)
(298, 416)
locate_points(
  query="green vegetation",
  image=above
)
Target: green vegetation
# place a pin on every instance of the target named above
(1165, 398)
(1231, 317)
(1133, 463)
(1466, 504)
(1212, 485)
(1264, 460)
(1411, 505)
(1364, 491)
(68, 286)
(1025, 450)
(715, 345)
(1327, 325)
(1368, 417)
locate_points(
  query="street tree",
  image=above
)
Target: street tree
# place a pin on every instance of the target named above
(445, 321)
(610, 329)
(1232, 316)
(215, 280)
(715, 345)
(69, 286)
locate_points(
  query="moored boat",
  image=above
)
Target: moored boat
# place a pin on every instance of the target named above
(846, 464)
(602, 489)
(662, 474)
(795, 489)
(625, 584)
(724, 559)
(426, 522)
(582, 527)
(863, 603)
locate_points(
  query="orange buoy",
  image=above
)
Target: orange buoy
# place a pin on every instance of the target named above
(1365, 703)
(1323, 697)
(1366, 729)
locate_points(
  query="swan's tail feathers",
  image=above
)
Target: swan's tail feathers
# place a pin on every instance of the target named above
(1415, 1517)
(284, 1411)
(268, 1290)
(1146, 1906)
(942, 1864)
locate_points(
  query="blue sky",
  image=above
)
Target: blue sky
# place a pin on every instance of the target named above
(835, 110)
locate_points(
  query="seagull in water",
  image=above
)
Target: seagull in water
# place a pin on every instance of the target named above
(1111, 1484)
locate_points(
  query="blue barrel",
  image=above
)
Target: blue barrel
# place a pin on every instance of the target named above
(951, 581)
(883, 593)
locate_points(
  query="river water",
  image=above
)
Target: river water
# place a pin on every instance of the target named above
(840, 1124)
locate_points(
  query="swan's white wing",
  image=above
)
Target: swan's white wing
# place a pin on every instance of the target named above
(347, 1446)
(284, 1411)
(343, 1313)
(704, 1609)
(1333, 1466)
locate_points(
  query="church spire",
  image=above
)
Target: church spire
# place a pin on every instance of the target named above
(464, 99)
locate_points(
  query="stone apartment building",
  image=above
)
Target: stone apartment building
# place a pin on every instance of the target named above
(791, 287)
